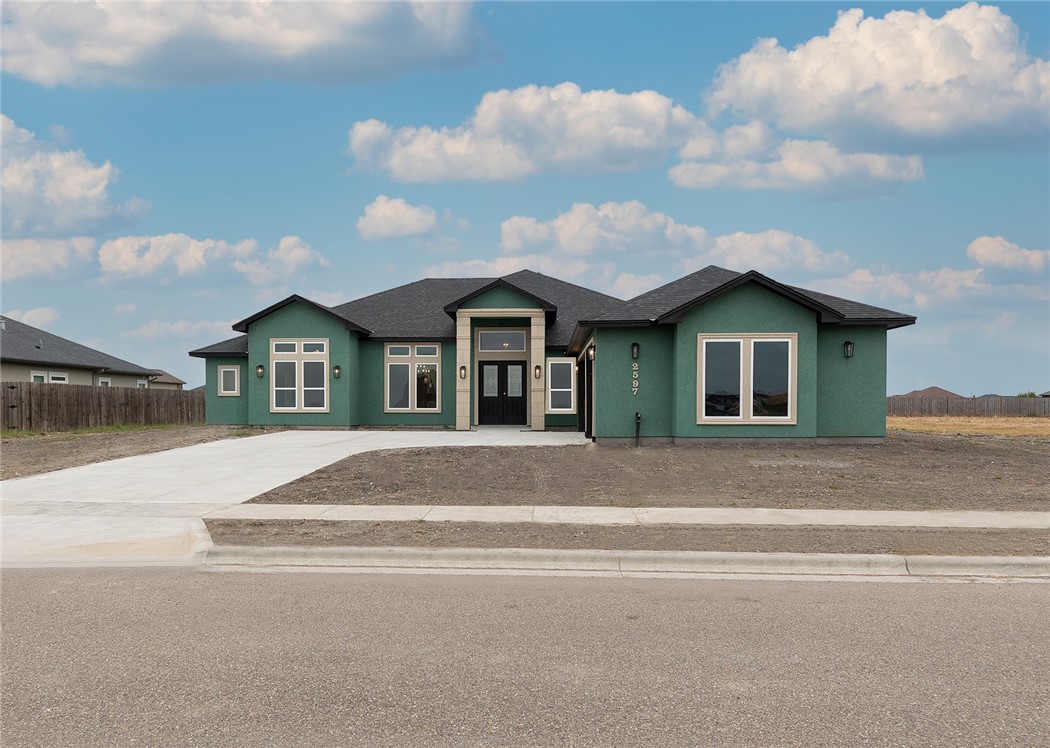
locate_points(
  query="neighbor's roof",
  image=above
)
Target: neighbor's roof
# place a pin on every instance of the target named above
(164, 377)
(27, 344)
(931, 392)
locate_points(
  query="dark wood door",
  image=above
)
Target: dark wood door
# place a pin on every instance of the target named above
(501, 398)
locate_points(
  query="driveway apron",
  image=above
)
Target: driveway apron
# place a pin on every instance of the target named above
(146, 510)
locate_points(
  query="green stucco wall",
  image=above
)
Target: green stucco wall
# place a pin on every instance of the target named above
(225, 410)
(298, 320)
(851, 391)
(615, 403)
(371, 392)
(500, 298)
(747, 309)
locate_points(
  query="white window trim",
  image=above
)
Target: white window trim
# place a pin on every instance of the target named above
(747, 342)
(299, 358)
(105, 382)
(236, 381)
(410, 360)
(41, 374)
(142, 384)
(572, 386)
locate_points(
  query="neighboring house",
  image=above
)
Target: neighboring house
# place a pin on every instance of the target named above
(714, 354)
(1045, 394)
(162, 380)
(931, 392)
(28, 354)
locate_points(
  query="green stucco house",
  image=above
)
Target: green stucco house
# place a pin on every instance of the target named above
(714, 354)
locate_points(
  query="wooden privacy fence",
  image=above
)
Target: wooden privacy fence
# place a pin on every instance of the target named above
(899, 405)
(33, 406)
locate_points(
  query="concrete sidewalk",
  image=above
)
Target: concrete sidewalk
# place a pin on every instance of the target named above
(588, 515)
(146, 510)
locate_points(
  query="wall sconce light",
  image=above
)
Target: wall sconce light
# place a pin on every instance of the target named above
(634, 350)
(337, 371)
(463, 372)
(847, 349)
(537, 371)
(259, 371)
(590, 353)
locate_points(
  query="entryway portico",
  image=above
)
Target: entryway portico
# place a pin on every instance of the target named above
(501, 377)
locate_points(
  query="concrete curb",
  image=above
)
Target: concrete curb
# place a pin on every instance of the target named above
(628, 562)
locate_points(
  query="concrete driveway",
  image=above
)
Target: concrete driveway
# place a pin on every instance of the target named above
(146, 510)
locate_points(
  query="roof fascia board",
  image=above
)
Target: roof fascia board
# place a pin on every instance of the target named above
(216, 354)
(825, 314)
(242, 326)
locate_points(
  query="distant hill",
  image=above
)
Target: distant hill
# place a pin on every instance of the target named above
(931, 392)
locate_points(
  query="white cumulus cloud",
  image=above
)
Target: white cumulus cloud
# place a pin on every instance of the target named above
(631, 226)
(611, 227)
(143, 256)
(747, 157)
(290, 256)
(765, 251)
(49, 258)
(922, 288)
(159, 330)
(514, 133)
(176, 43)
(995, 251)
(40, 316)
(50, 192)
(388, 218)
(966, 73)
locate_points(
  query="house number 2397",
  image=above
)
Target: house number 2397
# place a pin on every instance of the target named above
(634, 379)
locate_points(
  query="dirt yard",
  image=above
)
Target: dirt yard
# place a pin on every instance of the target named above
(907, 471)
(28, 455)
(737, 538)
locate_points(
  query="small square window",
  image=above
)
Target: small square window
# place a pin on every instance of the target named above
(229, 381)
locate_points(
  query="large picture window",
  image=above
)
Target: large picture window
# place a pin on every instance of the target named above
(298, 376)
(561, 385)
(746, 378)
(413, 378)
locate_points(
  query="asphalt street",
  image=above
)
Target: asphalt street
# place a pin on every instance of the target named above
(188, 657)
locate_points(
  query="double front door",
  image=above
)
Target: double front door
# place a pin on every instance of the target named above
(501, 398)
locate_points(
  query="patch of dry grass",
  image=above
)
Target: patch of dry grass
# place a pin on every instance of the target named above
(992, 426)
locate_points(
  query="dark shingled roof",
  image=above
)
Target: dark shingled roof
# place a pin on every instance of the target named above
(652, 305)
(663, 301)
(416, 311)
(233, 347)
(28, 344)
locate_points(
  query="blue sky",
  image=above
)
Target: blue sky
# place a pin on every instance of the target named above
(169, 169)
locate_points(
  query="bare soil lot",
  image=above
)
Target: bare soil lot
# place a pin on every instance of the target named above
(907, 471)
(736, 538)
(42, 453)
